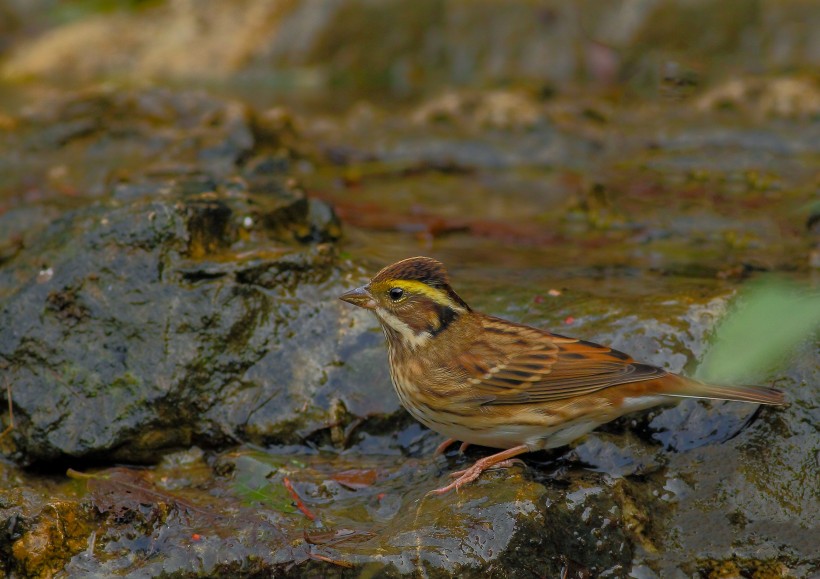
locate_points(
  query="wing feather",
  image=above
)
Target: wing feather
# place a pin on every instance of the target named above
(522, 365)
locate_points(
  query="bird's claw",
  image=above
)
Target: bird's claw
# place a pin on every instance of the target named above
(501, 459)
(503, 464)
(468, 476)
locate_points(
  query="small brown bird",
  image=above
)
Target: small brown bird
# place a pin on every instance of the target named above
(483, 380)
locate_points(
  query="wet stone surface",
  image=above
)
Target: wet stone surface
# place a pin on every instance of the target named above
(181, 308)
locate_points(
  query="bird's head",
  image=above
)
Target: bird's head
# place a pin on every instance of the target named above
(412, 298)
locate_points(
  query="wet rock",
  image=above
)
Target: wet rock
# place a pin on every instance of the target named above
(46, 542)
(506, 524)
(317, 513)
(746, 499)
(166, 322)
(195, 301)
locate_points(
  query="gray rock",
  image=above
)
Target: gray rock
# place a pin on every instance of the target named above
(195, 303)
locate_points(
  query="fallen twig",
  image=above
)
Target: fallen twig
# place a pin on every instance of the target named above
(329, 560)
(299, 504)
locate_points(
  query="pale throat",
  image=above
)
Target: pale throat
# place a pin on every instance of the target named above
(412, 338)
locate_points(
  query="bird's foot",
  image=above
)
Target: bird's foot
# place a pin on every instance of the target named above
(464, 477)
(503, 464)
(501, 459)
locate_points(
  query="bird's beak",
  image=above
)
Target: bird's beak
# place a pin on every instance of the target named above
(359, 297)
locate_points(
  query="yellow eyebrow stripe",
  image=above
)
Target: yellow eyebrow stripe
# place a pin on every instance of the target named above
(417, 287)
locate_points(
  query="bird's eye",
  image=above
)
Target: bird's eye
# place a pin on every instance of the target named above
(396, 293)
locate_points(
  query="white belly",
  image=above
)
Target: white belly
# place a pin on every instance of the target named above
(510, 435)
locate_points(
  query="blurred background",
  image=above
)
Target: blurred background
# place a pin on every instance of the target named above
(642, 127)
(187, 186)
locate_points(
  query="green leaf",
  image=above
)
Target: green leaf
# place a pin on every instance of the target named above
(772, 318)
(256, 484)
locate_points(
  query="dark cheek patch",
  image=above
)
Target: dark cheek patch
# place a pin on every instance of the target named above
(445, 316)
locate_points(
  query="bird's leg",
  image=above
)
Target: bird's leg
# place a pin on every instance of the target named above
(503, 464)
(470, 474)
(442, 448)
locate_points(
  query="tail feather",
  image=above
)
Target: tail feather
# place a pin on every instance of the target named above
(688, 388)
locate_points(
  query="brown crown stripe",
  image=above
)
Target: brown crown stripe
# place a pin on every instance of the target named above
(423, 269)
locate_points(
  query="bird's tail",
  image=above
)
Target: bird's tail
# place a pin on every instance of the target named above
(681, 387)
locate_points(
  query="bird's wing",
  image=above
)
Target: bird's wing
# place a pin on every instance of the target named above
(517, 364)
